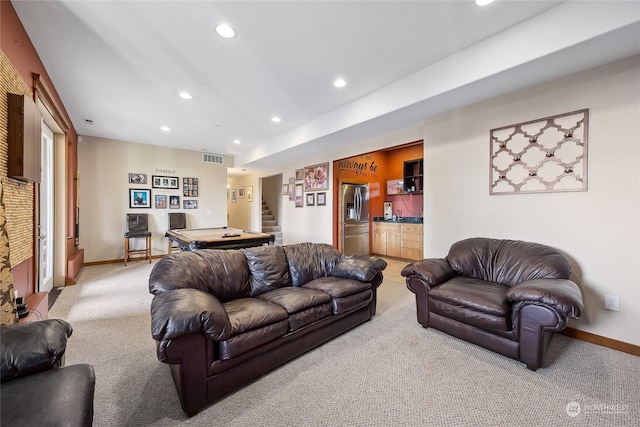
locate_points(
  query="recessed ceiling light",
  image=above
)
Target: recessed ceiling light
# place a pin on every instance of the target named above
(185, 95)
(483, 2)
(275, 119)
(339, 82)
(236, 141)
(165, 128)
(225, 30)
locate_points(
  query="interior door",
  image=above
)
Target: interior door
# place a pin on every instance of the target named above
(45, 214)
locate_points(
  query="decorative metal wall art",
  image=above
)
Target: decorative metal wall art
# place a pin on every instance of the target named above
(543, 155)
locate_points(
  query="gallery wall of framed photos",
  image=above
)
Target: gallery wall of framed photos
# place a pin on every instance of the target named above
(165, 192)
(309, 186)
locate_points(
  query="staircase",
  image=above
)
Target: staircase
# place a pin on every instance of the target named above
(270, 224)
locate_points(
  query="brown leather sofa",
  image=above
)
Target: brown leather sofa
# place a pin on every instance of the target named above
(37, 390)
(222, 318)
(505, 295)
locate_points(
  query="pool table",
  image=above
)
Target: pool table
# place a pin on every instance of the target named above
(215, 238)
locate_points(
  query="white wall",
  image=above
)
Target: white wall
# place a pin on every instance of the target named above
(104, 167)
(598, 229)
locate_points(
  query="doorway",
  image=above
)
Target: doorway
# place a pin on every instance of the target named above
(271, 210)
(45, 215)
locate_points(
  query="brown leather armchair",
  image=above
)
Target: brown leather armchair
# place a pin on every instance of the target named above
(505, 295)
(36, 388)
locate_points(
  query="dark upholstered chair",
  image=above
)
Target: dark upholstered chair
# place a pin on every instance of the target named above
(177, 221)
(505, 295)
(137, 227)
(37, 390)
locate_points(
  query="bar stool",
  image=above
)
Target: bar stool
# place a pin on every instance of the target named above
(177, 221)
(136, 227)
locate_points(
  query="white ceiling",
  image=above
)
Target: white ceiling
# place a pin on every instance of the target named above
(122, 64)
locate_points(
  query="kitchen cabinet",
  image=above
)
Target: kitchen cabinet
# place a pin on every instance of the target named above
(413, 178)
(386, 239)
(411, 241)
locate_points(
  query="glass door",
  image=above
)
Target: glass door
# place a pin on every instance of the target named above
(45, 217)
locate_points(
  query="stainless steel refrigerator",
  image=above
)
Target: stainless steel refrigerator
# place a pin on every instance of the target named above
(355, 219)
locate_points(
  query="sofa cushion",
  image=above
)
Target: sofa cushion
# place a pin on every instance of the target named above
(246, 314)
(350, 302)
(241, 343)
(64, 397)
(268, 267)
(295, 299)
(308, 316)
(479, 319)
(309, 261)
(473, 294)
(304, 306)
(222, 273)
(346, 294)
(337, 287)
(501, 261)
(358, 267)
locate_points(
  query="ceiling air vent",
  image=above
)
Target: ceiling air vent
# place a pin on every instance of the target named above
(212, 158)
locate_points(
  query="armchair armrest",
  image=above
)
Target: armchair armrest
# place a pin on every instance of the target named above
(183, 311)
(32, 347)
(562, 295)
(431, 271)
(361, 268)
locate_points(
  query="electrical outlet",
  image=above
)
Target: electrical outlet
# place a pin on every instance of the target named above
(612, 302)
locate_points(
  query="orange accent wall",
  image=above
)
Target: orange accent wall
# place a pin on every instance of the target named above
(375, 169)
(397, 157)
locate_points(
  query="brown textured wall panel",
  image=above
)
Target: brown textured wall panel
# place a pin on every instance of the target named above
(18, 197)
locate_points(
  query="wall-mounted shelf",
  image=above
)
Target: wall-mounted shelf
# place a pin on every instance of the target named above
(413, 178)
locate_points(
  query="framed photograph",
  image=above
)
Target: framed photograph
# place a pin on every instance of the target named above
(292, 187)
(316, 177)
(285, 189)
(241, 192)
(190, 187)
(250, 193)
(169, 182)
(139, 198)
(321, 199)
(299, 174)
(174, 202)
(298, 196)
(234, 197)
(138, 178)
(190, 204)
(311, 199)
(161, 201)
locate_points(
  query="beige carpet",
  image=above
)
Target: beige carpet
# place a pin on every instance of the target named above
(387, 372)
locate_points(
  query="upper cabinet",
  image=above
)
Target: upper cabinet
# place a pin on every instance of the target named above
(24, 137)
(413, 179)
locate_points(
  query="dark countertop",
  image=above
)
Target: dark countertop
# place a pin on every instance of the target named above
(403, 220)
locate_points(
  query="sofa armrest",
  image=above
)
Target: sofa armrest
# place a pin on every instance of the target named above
(363, 268)
(32, 347)
(431, 271)
(563, 295)
(183, 311)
